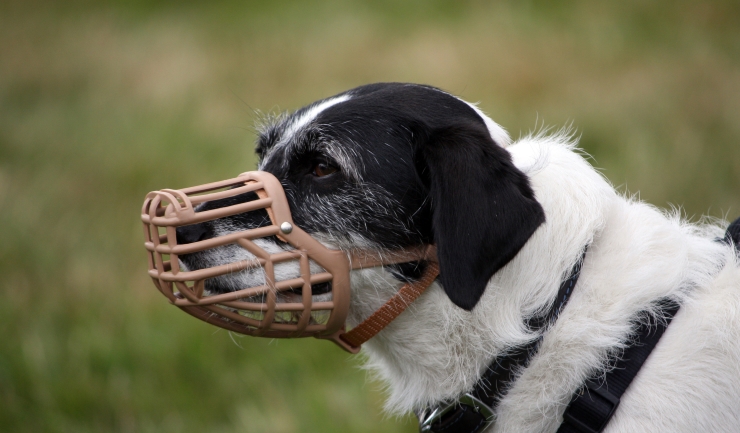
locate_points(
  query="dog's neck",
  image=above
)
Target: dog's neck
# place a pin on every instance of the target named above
(435, 351)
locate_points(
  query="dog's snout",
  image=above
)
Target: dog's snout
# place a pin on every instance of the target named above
(192, 233)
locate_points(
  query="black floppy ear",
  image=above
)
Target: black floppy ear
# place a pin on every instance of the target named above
(484, 209)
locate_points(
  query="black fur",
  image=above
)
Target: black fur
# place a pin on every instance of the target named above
(733, 233)
(484, 208)
(423, 168)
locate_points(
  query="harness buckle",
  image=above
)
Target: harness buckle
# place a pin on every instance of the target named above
(428, 417)
(605, 398)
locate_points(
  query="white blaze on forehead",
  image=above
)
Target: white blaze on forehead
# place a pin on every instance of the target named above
(310, 114)
(300, 121)
(498, 133)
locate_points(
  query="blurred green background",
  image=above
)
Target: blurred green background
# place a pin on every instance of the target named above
(102, 102)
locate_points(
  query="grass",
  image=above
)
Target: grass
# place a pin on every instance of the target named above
(101, 103)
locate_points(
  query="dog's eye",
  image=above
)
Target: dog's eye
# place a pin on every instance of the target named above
(322, 169)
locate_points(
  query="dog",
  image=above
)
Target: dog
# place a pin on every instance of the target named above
(393, 165)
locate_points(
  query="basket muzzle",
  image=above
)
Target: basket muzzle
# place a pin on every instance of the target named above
(276, 308)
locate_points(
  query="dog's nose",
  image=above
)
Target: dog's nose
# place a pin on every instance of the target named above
(191, 233)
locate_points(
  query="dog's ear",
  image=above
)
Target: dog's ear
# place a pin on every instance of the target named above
(483, 208)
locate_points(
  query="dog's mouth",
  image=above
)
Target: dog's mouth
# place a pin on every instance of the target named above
(254, 276)
(316, 289)
(220, 286)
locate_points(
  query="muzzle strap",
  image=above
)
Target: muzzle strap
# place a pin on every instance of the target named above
(396, 305)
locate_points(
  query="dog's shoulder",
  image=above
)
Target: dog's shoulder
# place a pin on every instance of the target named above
(637, 256)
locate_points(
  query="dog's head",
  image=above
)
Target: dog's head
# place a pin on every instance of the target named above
(388, 166)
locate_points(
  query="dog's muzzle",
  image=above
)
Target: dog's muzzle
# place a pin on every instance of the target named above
(277, 308)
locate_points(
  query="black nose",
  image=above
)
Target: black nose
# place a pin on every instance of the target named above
(192, 233)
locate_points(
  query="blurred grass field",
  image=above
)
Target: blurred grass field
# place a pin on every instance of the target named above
(101, 103)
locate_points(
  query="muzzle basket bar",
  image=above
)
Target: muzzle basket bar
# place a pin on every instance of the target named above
(251, 310)
(267, 309)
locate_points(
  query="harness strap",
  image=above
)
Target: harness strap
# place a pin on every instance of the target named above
(733, 234)
(475, 410)
(591, 407)
(594, 404)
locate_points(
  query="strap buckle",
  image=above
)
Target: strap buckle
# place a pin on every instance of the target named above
(605, 398)
(428, 417)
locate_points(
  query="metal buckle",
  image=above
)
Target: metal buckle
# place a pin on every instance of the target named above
(427, 417)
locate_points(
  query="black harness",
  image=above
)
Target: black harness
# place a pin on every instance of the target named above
(591, 408)
(594, 404)
(475, 410)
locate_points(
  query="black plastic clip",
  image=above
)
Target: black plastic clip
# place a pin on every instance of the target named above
(601, 407)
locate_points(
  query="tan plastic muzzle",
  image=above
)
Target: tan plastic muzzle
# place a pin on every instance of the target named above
(277, 308)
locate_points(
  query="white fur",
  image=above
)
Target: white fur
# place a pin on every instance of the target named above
(637, 254)
(299, 122)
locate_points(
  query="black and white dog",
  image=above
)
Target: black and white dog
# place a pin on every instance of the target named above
(392, 165)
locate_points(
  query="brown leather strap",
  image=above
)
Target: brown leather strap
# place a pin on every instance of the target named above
(391, 309)
(361, 259)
